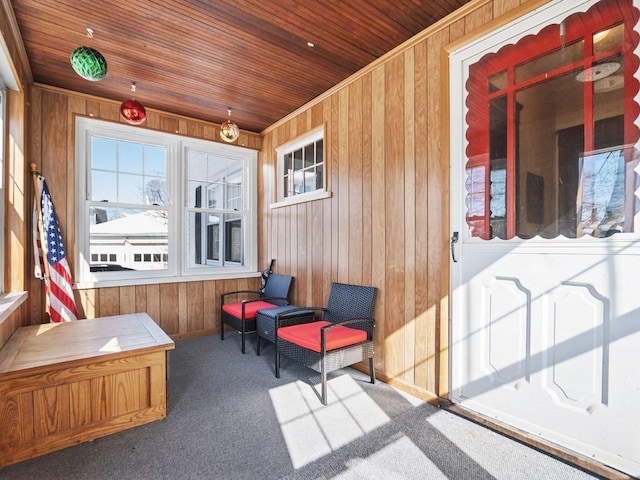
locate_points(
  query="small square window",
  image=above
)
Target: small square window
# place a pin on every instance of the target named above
(301, 168)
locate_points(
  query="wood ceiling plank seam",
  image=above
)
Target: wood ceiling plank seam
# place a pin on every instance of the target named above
(279, 29)
(250, 37)
(326, 41)
(334, 17)
(163, 55)
(382, 38)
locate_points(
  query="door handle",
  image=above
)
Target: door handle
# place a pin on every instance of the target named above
(454, 240)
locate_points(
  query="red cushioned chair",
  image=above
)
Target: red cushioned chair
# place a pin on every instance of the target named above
(343, 333)
(242, 315)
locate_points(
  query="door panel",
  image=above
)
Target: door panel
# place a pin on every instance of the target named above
(552, 350)
(545, 314)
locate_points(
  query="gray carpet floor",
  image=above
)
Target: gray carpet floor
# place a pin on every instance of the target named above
(230, 418)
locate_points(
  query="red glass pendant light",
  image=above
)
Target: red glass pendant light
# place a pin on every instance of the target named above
(132, 111)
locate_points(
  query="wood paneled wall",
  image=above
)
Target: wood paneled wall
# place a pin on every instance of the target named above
(387, 222)
(16, 200)
(182, 308)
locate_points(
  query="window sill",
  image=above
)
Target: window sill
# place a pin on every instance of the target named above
(9, 303)
(158, 280)
(306, 197)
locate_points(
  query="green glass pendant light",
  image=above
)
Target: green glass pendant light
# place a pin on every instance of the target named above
(88, 62)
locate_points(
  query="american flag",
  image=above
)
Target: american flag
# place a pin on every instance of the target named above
(60, 301)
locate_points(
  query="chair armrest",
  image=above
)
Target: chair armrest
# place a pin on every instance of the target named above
(222, 295)
(289, 315)
(369, 322)
(266, 299)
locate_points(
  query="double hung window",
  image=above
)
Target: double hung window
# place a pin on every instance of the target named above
(154, 206)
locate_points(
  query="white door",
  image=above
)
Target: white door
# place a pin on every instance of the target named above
(545, 312)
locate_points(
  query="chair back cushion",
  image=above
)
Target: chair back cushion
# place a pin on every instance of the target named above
(278, 286)
(307, 335)
(350, 301)
(250, 309)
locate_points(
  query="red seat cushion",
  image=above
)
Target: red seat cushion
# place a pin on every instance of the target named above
(250, 308)
(307, 335)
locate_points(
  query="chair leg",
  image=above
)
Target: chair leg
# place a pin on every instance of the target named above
(221, 330)
(257, 344)
(323, 374)
(372, 372)
(242, 335)
(277, 361)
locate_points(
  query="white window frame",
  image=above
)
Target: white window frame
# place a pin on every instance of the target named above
(311, 136)
(178, 266)
(3, 144)
(249, 200)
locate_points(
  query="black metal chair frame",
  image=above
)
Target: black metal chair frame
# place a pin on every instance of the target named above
(274, 288)
(356, 300)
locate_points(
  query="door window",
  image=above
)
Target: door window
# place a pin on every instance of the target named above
(552, 133)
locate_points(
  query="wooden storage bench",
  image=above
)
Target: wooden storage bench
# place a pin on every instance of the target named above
(66, 383)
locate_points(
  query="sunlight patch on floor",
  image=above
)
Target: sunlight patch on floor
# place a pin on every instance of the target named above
(399, 459)
(312, 430)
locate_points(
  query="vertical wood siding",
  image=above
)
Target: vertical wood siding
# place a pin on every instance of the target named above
(387, 221)
(181, 309)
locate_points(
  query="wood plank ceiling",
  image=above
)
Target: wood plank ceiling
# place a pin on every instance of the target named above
(198, 58)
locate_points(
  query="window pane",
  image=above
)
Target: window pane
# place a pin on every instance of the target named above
(127, 232)
(288, 185)
(155, 190)
(155, 161)
(213, 239)
(602, 211)
(205, 242)
(319, 177)
(550, 139)
(220, 178)
(297, 159)
(475, 186)
(104, 186)
(561, 56)
(131, 189)
(117, 172)
(103, 153)
(498, 82)
(605, 40)
(320, 151)
(130, 157)
(298, 183)
(309, 157)
(233, 240)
